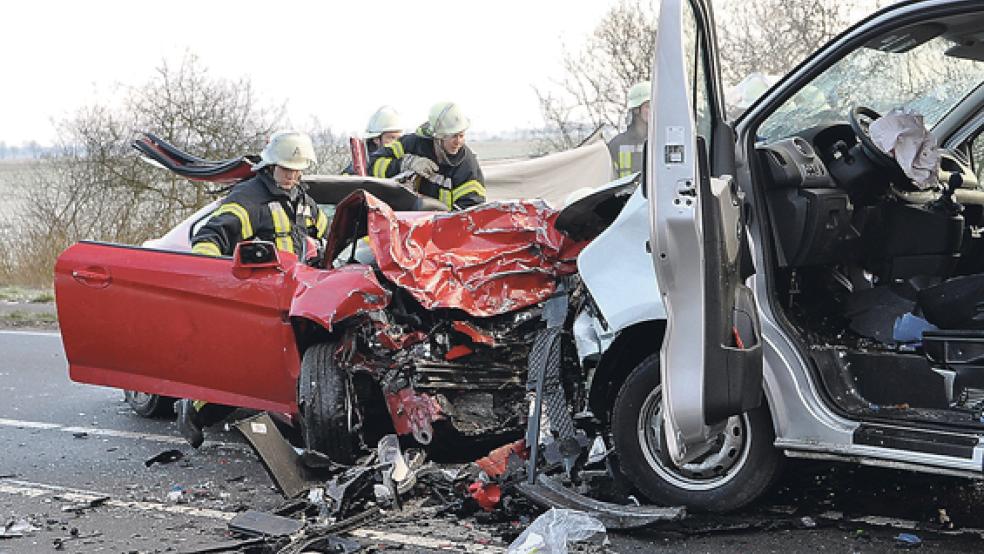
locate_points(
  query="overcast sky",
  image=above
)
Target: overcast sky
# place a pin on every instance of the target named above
(336, 60)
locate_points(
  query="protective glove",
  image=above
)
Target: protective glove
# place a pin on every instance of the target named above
(425, 167)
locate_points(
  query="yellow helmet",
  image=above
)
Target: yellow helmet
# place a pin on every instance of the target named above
(446, 119)
(290, 149)
(638, 95)
(385, 120)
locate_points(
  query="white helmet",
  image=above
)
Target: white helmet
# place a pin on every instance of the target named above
(638, 95)
(290, 149)
(446, 119)
(385, 120)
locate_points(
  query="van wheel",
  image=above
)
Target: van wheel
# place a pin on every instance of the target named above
(739, 468)
(149, 405)
(325, 400)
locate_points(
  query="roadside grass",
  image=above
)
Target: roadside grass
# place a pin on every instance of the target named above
(30, 295)
(24, 318)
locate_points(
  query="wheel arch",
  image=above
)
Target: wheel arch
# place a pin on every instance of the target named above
(629, 348)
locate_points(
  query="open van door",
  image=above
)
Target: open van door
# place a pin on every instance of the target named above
(711, 358)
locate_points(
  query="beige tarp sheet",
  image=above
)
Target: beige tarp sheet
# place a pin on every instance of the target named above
(550, 177)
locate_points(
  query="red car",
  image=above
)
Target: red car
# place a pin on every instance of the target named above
(438, 317)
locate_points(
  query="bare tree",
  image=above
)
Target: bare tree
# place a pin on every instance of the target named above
(592, 91)
(95, 186)
(772, 36)
(768, 36)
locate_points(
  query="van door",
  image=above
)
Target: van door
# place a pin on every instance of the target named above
(711, 357)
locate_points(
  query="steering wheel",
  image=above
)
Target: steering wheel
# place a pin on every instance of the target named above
(900, 185)
(860, 118)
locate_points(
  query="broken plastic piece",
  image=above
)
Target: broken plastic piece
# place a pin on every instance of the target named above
(474, 333)
(389, 453)
(553, 530)
(79, 501)
(908, 540)
(17, 528)
(496, 463)
(278, 456)
(548, 493)
(487, 495)
(457, 351)
(165, 457)
(261, 524)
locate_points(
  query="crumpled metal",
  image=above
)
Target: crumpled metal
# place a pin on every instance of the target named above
(328, 297)
(491, 259)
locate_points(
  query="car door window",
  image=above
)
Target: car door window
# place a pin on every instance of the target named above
(695, 53)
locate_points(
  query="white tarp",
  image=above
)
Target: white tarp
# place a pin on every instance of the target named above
(552, 177)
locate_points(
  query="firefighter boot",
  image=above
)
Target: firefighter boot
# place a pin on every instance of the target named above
(189, 422)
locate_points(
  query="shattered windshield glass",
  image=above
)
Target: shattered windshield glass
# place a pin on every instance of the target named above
(923, 79)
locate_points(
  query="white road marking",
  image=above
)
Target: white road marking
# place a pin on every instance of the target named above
(32, 333)
(426, 542)
(95, 431)
(35, 490)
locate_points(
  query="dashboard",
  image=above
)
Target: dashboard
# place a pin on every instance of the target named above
(829, 202)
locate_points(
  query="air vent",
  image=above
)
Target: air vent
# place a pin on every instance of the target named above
(778, 158)
(803, 147)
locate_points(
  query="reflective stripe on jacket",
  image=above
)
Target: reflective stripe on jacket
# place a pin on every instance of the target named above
(258, 209)
(626, 151)
(458, 184)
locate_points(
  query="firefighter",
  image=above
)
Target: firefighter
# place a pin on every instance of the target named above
(445, 167)
(271, 206)
(626, 147)
(383, 128)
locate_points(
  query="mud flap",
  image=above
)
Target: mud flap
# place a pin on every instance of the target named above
(551, 494)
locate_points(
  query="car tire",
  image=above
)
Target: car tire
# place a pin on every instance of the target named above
(149, 405)
(738, 470)
(326, 408)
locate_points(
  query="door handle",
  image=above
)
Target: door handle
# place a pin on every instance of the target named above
(98, 278)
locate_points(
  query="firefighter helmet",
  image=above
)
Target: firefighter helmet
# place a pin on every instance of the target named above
(446, 119)
(289, 149)
(638, 95)
(385, 120)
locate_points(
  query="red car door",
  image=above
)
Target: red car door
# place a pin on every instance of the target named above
(177, 324)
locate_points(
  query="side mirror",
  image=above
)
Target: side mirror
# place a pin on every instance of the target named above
(255, 255)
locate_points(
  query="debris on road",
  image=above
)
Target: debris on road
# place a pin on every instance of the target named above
(908, 540)
(80, 503)
(261, 524)
(74, 535)
(554, 529)
(166, 457)
(19, 527)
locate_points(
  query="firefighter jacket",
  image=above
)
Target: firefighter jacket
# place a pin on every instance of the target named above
(459, 182)
(258, 209)
(626, 150)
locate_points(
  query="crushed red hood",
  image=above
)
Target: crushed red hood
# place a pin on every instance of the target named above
(487, 260)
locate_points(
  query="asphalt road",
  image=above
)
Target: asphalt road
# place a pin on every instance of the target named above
(63, 444)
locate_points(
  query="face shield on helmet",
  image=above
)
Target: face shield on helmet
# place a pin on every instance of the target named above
(289, 149)
(385, 120)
